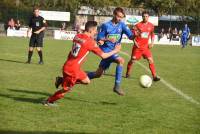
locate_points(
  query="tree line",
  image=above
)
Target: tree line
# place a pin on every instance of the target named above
(175, 7)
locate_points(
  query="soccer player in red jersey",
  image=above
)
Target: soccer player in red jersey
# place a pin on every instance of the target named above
(72, 72)
(143, 31)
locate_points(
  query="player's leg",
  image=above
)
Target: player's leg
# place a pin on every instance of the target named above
(104, 64)
(136, 55)
(39, 50)
(58, 81)
(147, 54)
(183, 41)
(97, 74)
(129, 66)
(118, 75)
(39, 44)
(31, 48)
(68, 83)
(82, 78)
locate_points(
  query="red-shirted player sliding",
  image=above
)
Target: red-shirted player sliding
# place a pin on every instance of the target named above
(143, 31)
(72, 73)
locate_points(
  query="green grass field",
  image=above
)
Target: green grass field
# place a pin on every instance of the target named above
(95, 109)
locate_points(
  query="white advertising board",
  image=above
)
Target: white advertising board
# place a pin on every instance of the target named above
(22, 32)
(162, 41)
(132, 19)
(55, 15)
(195, 40)
(64, 35)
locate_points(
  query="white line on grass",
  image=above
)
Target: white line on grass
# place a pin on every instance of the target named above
(167, 84)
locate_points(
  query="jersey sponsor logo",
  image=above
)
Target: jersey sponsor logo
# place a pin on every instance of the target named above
(145, 34)
(115, 36)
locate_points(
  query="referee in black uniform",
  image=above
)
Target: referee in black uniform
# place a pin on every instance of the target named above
(37, 24)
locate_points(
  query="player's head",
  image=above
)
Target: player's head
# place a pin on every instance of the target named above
(118, 14)
(36, 11)
(186, 25)
(145, 16)
(91, 27)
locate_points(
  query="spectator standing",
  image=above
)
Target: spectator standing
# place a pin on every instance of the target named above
(11, 24)
(17, 25)
(169, 34)
(161, 34)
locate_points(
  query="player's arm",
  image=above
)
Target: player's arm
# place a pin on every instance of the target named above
(127, 31)
(43, 27)
(116, 50)
(40, 30)
(136, 32)
(103, 55)
(102, 36)
(152, 38)
(29, 27)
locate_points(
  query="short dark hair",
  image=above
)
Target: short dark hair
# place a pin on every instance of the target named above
(119, 9)
(36, 8)
(145, 12)
(90, 24)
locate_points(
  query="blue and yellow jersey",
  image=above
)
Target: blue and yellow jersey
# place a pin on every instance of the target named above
(110, 30)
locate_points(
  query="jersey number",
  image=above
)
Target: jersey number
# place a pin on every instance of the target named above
(75, 49)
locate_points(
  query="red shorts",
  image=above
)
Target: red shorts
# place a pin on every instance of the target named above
(70, 80)
(138, 53)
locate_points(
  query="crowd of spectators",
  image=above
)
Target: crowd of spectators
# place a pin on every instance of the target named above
(171, 34)
(13, 24)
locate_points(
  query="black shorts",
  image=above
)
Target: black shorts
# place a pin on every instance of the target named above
(36, 40)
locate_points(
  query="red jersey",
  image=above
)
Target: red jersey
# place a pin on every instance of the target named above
(143, 32)
(82, 45)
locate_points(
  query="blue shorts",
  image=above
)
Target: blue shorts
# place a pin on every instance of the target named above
(105, 63)
(184, 39)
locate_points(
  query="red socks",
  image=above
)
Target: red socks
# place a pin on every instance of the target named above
(153, 70)
(129, 66)
(57, 95)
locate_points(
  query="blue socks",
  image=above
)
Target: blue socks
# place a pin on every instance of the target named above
(118, 75)
(91, 75)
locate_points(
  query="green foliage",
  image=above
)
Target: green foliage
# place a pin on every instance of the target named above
(20, 8)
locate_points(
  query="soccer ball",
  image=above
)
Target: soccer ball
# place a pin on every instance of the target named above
(145, 81)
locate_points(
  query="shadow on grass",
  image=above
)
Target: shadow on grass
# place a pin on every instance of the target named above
(15, 61)
(40, 132)
(20, 95)
(23, 99)
(12, 61)
(112, 75)
(27, 91)
(92, 102)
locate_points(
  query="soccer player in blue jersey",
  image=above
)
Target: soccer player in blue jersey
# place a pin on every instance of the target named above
(109, 36)
(185, 36)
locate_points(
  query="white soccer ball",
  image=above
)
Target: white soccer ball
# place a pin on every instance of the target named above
(145, 81)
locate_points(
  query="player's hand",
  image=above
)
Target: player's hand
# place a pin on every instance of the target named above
(37, 32)
(100, 42)
(151, 45)
(113, 40)
(136, 44)
(117, 48)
